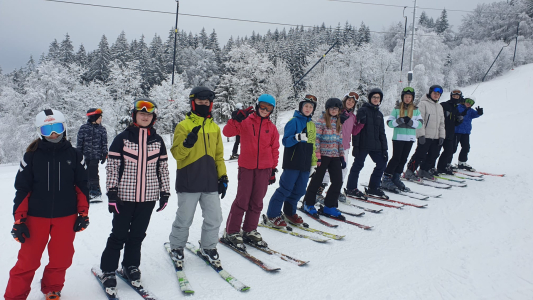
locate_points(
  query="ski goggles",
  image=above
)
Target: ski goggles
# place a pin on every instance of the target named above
(408, 89)
(266, 107)
(470, 101)
(203, 95)
(352, 95)
(147, 106)
(310, 98)
(47, 130)
(457, 92)
(98, 111)
(438, 90)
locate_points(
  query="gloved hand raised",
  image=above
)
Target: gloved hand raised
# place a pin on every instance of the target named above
(479, 110)
(192, 137)
(223, 185)
(163, 201)
(20, 231)
(82, 222)
(301, 137)
(114, 201)
(243, 114)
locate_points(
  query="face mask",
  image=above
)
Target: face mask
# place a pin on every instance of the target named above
(56, 140)
(202, 110)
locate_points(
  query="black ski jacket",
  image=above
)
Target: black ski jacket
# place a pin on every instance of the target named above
(372, 137)
(450, 117)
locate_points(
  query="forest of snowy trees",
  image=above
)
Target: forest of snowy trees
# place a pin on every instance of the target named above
(115, 73)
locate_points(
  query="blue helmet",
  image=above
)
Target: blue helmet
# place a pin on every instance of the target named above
(267, 99)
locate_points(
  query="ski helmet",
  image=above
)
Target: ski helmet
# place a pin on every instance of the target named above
(333, 102)
(470, 100)
(146, 105)
(94, 114)
(436, 88)
(373, 92)
(49, 121)
(267, 99)
(456, 92)
(202, 93)
(238, 106)
(408, 91)
(308, 99)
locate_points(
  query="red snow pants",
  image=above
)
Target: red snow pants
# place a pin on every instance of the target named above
(59, 234)
(251, 190)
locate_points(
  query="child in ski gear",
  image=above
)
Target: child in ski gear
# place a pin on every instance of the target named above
(137, 177)
(92, 142)
(371, 141)
(430, 136)
(234, 153)
(298, 159)
(462, 131)
(201, 174)
(452, 118)
(50, 206)
(350, 127)
(330, 156)
(405, 119)
(257, 169)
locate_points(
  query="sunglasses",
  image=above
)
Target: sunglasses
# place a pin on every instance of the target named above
(408, 89)
(352, 95)
(203, 95)
(47, 130)
(96, 112)
(310, 98)
(147, 106)
(438, 90)
(470, 101)
(457, 92)
(266, 107)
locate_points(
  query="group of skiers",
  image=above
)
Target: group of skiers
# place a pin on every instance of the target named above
(55, 181)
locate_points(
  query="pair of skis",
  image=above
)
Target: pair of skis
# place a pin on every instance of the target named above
(112, 293)
(321, 212)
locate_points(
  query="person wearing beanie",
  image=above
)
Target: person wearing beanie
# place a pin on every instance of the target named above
(200, 176)
(452, 118)
(430, 136)
(92, 142)
(137, 178)
(257, 169)
(50, 206)
(371, 141)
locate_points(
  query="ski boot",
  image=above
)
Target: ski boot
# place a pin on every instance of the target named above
(425, 175)
(447, 171)
(355, 193)
(310, 209)
(387, 184)
(320, 199)
(319, 196)
(177, 256)
(333, 212)
(376, 192)
(434, 172)
(133, 274)
(235, 240)
(255, 238)
(234, 156)
(53, 295)
(210, 255)
(109, 280)
(464, 166)
(342, 198)
(276, 222)
(410, 175)
(294, 219)
(396, 180)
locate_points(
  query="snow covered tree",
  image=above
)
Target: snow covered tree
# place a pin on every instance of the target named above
(279, 85)
(81, 57)
(120, 50)
(99, 69)
(172, 102)
(66, 52)
(442, 22)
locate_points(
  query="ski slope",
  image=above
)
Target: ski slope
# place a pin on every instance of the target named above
(472, 243)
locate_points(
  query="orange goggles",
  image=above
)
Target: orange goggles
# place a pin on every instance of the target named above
(266, 107)
(352, 95)
(98, 111)
(147, 106)
(310, 98)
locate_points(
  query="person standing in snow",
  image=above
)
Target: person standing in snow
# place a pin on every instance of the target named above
(257, 169)
(92, 142)
(298, 160)
(137, 177)
(330, 157)
(405, 119)
(371, 141)
(201, 175)
(234, 154)
(350, 127)
(430, 136)
(50, 206)
(462, 131)
(452, 118)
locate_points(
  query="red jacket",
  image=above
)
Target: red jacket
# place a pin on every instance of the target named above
(259, 142)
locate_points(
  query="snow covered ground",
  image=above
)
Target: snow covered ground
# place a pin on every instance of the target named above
(472, 243)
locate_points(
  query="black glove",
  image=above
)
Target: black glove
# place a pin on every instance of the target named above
(400, 121)
(343, 162)
(20, 231)
(355, 151)
(82, 222)
(406, 119)
(102, 161)
(459, 118)
(223, 185)
(114, 201)
(479, 110)
(441, 141)
(422, 140)
(361, 118)
(272, 178)
(192, 137)
(163, 200)
(343, 117)
(385, 155)
(243, 114)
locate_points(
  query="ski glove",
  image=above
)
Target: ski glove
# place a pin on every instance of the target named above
(400, 121)
(163, 200)
(479, 110)
(20, 231)
(343, 163)
(406, 119)
(441, 141)
(272, 178)
(385, 155)
(223, 185)
(192, 137)
(243, 114)
(301, 137)
(422, 140)
(344, 117)
(459, 118)
(103, 160)
(114, 200)
(318, 163)
(82, 222)
(361, 117)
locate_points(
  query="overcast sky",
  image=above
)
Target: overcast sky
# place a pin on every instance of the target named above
(27, 27)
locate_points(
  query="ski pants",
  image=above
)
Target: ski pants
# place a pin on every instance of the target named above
(129, 231)
(400, 153)
(292, 185)
(58, 234)
(211, 212)
(344, 171)
(359, 163)
(425, 155)
(333, 165)
(236, 144)
(447, 155)
(464, 139)
(92, 173)
(251, 190)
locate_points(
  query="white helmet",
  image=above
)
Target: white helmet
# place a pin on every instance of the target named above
(49, 117)
(238, 106)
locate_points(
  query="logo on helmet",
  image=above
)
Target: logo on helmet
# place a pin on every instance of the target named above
(49, 119)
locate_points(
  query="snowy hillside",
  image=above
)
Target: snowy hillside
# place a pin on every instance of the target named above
(472, 243)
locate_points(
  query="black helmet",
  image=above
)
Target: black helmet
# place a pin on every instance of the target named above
(436, 88)
(333, 102)
(308, 99)
(408, 91)
(375, 91)
(146, 105)
(202, 93)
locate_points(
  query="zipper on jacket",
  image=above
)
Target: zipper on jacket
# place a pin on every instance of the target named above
(53, 183)
(203, 130)
(258, 140)
(48, 176)
(427, 121)
(59, 176)
(253, 128)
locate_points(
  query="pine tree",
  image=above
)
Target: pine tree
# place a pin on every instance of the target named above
(442, 22)
(120, 50)
(529, 8)
(99, 69)
(54, 53)
(81, 57)
(66, 52)
(423, 19)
